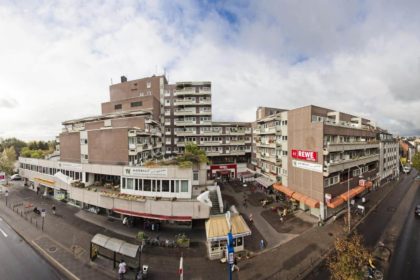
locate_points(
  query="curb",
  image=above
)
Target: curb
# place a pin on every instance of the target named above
(62, 271)
(58, 267)
(55, 262)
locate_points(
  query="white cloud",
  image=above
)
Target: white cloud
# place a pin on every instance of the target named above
(359, 57)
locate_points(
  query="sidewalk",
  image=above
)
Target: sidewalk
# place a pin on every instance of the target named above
(295, 258)
(71, 266)
(66, 239)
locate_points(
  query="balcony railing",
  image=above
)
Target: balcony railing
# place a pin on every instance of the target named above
(339, 147)
(331, 167)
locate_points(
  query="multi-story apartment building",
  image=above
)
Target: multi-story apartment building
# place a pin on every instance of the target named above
(102, 158)
(389, 159)
(270, 136)
(188, 119)
(327, 150)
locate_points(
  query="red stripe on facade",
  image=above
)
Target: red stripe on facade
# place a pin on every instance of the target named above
(153, 216)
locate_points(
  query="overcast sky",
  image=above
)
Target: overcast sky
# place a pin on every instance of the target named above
(57, 58)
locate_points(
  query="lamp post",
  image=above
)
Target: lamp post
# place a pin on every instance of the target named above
(348, 194)
(230, 251)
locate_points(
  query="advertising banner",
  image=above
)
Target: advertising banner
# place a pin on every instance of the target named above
(307, 165)
(305, 155)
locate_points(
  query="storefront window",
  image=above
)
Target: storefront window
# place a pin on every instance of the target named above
(165, 186)
(177, 186)
(184, 186)
(146, 185)
(140, 184)
(237, 242)
(123, 183)
(137, 185)
(130, 184)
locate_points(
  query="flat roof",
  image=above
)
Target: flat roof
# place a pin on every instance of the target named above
(108, 116)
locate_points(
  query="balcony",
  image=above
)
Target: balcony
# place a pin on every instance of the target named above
(331, 167)
(185, 112)
(180, 102)
(341, 147)
(205, 102)
(211, 143)
(185, 133)
(266, 130)
(266, 144)
(182, 143)
(204, 113)
(185, 122)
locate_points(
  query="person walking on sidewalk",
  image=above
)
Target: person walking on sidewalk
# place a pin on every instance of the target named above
(250, 218)
(262, 245)
(122, 269)
(53, 209)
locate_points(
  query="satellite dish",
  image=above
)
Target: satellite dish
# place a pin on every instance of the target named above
(204, 198)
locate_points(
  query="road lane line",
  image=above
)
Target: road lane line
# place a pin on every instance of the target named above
(2, 231)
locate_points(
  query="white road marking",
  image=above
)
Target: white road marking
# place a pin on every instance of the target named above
(2, 231)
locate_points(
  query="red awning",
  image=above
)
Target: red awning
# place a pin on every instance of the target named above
(335, 202)
(283, 189)
(153, 216)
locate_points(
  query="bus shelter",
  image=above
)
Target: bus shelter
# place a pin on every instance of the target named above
(115, 250)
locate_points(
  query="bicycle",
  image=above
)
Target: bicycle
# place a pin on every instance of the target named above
(376, 274)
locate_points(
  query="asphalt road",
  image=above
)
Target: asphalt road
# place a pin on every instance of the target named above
(375, 224)
(405, 262)
(19, 261)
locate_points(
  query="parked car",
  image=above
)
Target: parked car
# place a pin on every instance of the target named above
(417, 211)
(15, 177)
(417, 178)
(406, 169)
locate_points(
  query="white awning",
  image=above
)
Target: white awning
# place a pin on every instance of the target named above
(264, 181)
(116, 245)
(66, 179)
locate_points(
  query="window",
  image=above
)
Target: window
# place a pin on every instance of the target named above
(83, 141)
(118, 107)
(147, 185)
(184, 185)
(176, 186)
(149, 84)
(130, 184)
(165, 185)
(195, 175)
(123, 183)
(136, 104)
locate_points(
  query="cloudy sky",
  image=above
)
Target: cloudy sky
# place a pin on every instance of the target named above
(57, 58)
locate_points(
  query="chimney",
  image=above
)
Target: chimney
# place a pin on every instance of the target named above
(123, 79)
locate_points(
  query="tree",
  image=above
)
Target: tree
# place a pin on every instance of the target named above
(12, 142)
(7, 161)
(192, 154)
(349, 259)
(416, 161)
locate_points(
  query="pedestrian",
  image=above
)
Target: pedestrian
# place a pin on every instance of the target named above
(153, 226)
(262, 245)
(250, 218)
(235, 265)
(37, 190)
(281, 219)
(53, 209)
(122, 269)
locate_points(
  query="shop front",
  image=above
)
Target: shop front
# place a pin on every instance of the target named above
(223, 172)
(216, 233)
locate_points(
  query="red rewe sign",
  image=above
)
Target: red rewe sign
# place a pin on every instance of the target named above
(305, 155)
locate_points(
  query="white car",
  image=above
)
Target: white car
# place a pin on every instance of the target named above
(406, 169)
(15, 177)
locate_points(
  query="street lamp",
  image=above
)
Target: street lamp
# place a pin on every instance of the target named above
(348, 194)
(230, 250)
